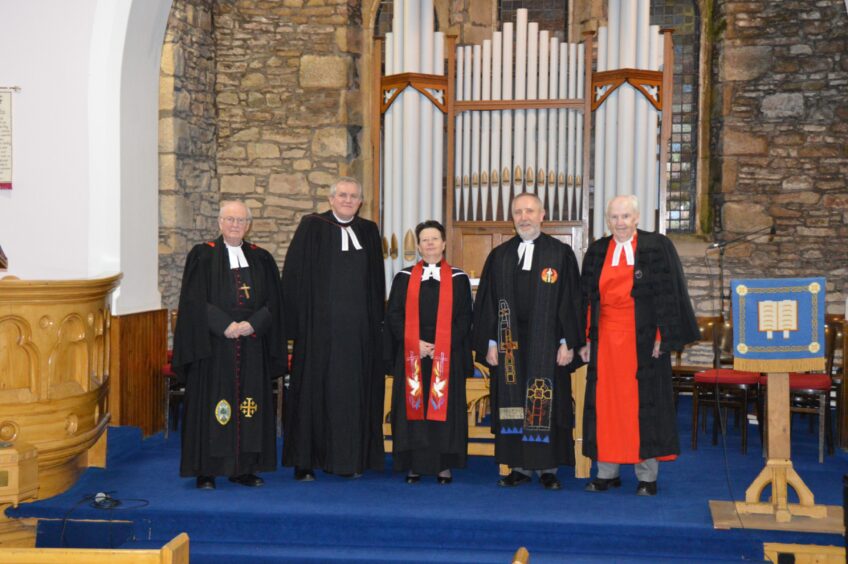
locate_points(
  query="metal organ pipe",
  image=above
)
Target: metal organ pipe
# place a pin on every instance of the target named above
(438, 131)
(460, 118)
(598, 198)
(626, 100)
(578, 175)
(562, 131)
(553, 89)
(466, 133)
(494, 175)
(506, 120)
(476, 71)
(571, 167)
(520, 94)
(542, 145)
(532, 94)
(387, 179)
(485, 127)
(610, 135)
(425, 176)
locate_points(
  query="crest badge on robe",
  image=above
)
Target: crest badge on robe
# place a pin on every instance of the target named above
(223, 412)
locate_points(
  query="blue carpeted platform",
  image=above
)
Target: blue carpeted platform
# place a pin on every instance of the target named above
(380, 518)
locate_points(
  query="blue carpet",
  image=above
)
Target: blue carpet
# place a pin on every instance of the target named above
(380, 518)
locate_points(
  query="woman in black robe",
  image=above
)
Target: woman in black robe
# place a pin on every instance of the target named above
(429, 427)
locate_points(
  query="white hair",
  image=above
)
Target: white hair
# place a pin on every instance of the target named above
(225, 203)
(629, 198)
(345, 180)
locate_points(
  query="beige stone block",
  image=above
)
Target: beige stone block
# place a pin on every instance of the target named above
(292, 203)
(302, 164)
(797, 198)
(744, 217)
(174, 211)
(348, 40)
(321, 178)
(171, 130)
(228, 99)
(782, 105)
(287, 137)
(729, 174)
(253, 80)
(288, 184)
(483, 14)
(166, 93)
(324, 71)
(330, 142)
(233, 152)
(238, 184)
(745, 62)
(248, 134)
(262, 151)
(744, 143)
(799, 182)
(167, 172)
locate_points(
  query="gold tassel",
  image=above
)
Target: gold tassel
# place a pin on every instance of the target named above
(779, 365)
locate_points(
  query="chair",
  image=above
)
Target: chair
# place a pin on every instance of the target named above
(809, 393)
(174, 390)
(837, 374)
(682, 375)
(725, 388)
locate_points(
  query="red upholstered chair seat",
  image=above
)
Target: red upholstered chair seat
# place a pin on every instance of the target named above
(727, 376)
(804, 381)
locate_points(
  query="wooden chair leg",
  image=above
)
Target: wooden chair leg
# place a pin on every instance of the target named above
(695, 393)
(822, 415)
(744, 415)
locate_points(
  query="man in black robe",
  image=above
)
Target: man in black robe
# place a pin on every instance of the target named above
(334, 293)
(527, 324)
(228, 346)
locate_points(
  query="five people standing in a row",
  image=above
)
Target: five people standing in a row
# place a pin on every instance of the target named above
(531, 315)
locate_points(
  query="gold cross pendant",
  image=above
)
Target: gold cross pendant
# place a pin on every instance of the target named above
(246, 290)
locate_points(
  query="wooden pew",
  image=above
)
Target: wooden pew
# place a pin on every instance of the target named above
(175, 552)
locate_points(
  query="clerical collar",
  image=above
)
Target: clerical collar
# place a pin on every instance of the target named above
(627, 248)
(237, 258)
(348, 236)
(432, 271)
(525, 250)
(342, 221)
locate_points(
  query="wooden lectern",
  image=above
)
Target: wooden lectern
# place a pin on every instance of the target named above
(779, 327)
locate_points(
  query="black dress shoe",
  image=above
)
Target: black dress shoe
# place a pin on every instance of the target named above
(646, 488)
(444, 479)
(549, 481)
(602, 484)
(304, 474)
(206, 482)
(413, 478)
(514, 479)
(249, 480)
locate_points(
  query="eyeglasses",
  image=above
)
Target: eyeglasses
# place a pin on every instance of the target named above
(344, 196)
(236, 220)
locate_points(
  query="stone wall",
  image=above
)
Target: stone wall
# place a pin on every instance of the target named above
(288, 108)
(188, 185)
(779, 148)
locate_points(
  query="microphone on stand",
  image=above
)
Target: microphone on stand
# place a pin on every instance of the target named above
(721, 244)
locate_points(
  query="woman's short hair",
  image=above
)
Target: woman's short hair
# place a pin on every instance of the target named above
(429, 224)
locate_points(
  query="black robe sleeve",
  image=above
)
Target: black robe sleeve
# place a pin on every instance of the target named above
(571, 319)
(677, 323)
(485, 311)
(191, 335)
(395, 319)
(294, 268)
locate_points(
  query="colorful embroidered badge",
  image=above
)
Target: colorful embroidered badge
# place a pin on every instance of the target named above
(248, 407)
(549, 275)
(223, 412)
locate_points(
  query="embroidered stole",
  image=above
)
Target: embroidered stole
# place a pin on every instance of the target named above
(525, 393)
(437, 408)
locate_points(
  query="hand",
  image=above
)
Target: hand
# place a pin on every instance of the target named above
(492, 356)
(585, 353)
(426, 349)
(245, 329)
(564, 355)
(233, 331)
(656, 352)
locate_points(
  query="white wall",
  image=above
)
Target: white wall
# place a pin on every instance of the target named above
(85, 192)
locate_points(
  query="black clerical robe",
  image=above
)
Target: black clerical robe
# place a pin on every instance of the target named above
(527, 313)
(229, 424)
(334, 302)
(428, 447)
(661, 302)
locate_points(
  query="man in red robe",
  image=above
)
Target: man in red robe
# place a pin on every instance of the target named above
(638, 310)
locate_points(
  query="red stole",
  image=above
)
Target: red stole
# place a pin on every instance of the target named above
(440, 375)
